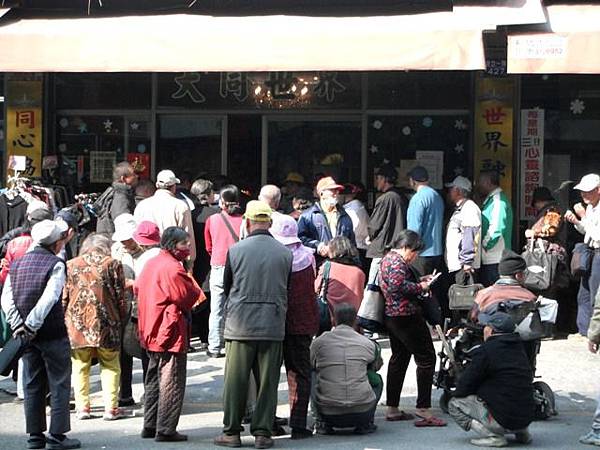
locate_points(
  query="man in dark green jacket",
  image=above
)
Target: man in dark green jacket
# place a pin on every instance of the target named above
(256, 285)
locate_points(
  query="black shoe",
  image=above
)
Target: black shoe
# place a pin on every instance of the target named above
(301, 433)
(54, 442)
(127, 402)
(365, 429)
(36, 441)
(175, 437)
(148, 433)
(215, 355)
(281, 421)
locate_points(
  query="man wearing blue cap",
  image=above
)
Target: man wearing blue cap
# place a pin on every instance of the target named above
(494, 395)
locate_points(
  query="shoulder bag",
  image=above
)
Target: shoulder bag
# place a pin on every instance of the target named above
(229, 227)
(370, 315)
(462, 296)
(581, 261)
(324, 307)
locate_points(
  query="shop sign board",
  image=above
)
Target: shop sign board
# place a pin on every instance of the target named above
(532, 158)
(24, 124)
(493, 133)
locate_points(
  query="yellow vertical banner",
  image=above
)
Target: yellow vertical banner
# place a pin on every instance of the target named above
(23, 124)
(493, 132)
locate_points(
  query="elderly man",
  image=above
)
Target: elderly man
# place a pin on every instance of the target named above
(166, 210)
(494, 395)
(118, 199)
(496, 225)
(463, 236)
(271, 195)
(31, 301)
(587, 222)
(346, 395)
(326, 219)
(255, 283)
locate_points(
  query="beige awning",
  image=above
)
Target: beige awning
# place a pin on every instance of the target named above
(434, 41)
(573, 46)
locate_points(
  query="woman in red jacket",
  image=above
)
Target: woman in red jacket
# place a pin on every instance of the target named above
(166, 295)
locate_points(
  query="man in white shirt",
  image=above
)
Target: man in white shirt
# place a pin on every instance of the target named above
(166, 210)
(463, 235)
(586, 220)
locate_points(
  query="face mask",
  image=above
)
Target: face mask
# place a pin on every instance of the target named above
(181, 254)
(331, 201)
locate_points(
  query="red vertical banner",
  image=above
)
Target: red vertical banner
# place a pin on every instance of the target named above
(532, 158)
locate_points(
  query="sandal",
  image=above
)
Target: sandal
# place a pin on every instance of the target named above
(402, 416)
(430, 422)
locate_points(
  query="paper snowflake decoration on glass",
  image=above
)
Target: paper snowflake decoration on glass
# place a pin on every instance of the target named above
(459, 148)
(377, 124)
(577, 106)
(427, 122)
(373, 149)
(62, 148)
(135, 126)
(82, 127)
(458, 171)
(406, 131)
(141, 148)
(460, 124)
(107, 125)
(386, 161)
(64, 122)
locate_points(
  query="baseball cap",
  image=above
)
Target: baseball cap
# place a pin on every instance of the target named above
(588, 183)
(147, 233)
(294, 177)
(328, 183)
(166, 178)
(461, 183)
(125, 226)
(285, 230)
(258, 211)
(68, 217)
(500, 321)
(419, 173)
(47, 232)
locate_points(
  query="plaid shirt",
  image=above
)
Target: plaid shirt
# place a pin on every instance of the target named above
(399, 286)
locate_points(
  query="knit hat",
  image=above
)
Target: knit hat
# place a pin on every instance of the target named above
(511, 263)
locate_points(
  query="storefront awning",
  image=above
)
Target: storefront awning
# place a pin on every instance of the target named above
(572, 46)
(182, 42)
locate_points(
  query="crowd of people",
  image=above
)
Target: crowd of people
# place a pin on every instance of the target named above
(278, 281)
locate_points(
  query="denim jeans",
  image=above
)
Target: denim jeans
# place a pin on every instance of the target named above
(216, 320)
(588, 287)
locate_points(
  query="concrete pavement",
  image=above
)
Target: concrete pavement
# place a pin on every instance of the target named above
(566, 366)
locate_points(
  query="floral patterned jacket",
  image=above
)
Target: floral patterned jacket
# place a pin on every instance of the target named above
(399, 286)
(94, 301)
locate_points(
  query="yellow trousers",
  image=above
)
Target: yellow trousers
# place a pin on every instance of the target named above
(110, 373)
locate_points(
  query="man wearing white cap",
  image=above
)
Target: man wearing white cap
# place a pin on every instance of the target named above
(31, 301)
(166, 210)
(463, 235)
(587, 221)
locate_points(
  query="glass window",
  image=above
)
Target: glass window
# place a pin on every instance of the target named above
(244, 151)
(397, 139)
(313, 149)
(103, 90)
(420, 90)
(189, 143)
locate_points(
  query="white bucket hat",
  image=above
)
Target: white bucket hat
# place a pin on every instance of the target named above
(125, 226)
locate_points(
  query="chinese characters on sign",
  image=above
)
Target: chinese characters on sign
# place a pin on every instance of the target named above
(494, 128)
(24, 124)
(532, 158)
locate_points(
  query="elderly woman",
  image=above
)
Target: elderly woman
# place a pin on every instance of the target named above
(346, 280)
(95, 307)
(166, 295)
(409, 334)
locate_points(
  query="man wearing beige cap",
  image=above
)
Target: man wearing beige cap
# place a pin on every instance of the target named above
(166, 210)
(326, 219)
(586, 220)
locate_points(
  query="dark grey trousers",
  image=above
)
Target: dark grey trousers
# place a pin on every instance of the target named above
(47, 368)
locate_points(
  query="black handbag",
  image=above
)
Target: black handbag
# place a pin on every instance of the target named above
(10, 354)
(131, 339)
(581, 261)
(324, 307)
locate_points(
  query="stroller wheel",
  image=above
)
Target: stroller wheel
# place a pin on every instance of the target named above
(444, 400)
(545, 405)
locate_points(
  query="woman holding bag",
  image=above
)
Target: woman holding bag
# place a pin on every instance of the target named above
(408, 331)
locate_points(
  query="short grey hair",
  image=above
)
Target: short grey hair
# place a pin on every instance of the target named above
(345, 314)
(202, 190)
(98, 243)
(271, 195)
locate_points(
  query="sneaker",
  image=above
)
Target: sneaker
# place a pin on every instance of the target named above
(218, 354)
(263, 442)
(591, 438)
(84, 414)
(36, 441)
(113, 414)
(228, 440)
(523, 436)
(61, 442)
(490, 441)
(125, 402)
